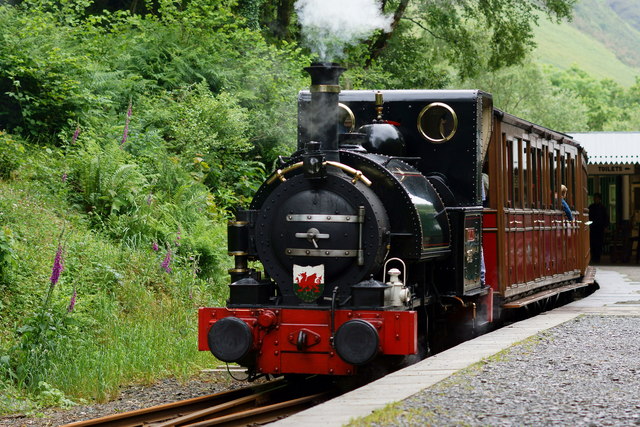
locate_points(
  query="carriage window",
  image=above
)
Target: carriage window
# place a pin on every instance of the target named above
(557, 159)
(535, 179)
(517, 203)
(572, 181)
(552, 181)
(540, 176)
(544, 179)
(526, 147)
(563, 173)
(509, 173)
(584, 179)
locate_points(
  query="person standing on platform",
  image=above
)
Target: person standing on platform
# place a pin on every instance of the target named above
(599, 222)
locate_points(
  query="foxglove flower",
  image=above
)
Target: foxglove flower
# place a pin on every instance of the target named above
(64, 177)
(72, 302)
(58, 266)
(178, 237)
(166, 262)
(126, 126)
(75, 135)
(149, 199)
(155, 246)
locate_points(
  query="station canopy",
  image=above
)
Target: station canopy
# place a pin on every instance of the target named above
(610, 148)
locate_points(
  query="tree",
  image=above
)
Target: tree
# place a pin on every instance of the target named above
(605, 99)
(525, 91)
(505, 27)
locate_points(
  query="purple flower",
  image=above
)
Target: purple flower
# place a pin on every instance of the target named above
(126, 126)
(72, 302)
(166, 262)
(75, 135)
(149, 199)
(64, 177)
(155, 246)
(58, 266)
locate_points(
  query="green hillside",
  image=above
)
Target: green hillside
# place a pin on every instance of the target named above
(628, 10)
(613, 24)
(598, 40)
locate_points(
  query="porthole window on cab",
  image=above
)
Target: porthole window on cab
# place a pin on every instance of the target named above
(437, 122)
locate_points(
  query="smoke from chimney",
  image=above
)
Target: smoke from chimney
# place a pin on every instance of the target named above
(328, 26)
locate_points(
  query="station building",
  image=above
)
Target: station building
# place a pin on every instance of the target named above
(614, 171)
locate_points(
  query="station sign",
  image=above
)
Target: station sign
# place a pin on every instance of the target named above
(611, 169)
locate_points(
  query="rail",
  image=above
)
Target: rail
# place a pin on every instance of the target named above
(248, 405)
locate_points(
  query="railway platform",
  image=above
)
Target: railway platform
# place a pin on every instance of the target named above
(578, 364)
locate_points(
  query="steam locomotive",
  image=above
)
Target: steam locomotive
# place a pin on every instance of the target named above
(404, 217)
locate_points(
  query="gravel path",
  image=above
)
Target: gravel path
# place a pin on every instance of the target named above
(131, 398)
(585, 372)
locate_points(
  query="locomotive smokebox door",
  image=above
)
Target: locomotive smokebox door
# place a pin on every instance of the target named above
(467, 242)
(312, 238)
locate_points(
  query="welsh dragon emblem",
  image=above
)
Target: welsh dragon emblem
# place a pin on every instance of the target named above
(308, 282)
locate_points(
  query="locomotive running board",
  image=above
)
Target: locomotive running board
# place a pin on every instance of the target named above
(587, 280)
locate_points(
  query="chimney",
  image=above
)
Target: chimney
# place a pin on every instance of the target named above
(323, 112)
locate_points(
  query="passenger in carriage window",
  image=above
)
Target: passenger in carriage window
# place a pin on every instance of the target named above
(565, 205)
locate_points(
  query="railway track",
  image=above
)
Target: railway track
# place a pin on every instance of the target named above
(256, 404)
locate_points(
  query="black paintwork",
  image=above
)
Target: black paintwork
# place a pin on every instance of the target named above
(458, 160)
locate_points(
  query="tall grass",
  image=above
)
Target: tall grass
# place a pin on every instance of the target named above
(131, 322)
(155, 341)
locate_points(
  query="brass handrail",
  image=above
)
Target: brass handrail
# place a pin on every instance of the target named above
(357, 174)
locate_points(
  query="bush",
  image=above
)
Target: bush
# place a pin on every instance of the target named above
(41, 76)
(11, 154)
(209, 135)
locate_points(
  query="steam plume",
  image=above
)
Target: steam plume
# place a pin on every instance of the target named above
(329, 26)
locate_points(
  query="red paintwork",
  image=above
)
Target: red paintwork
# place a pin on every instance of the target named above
(535, 242)
(559, 239)
(549, 255)
(510, 237)
(539, 244)
(488, 302)
(519, 247)
(528, 248)
(489, 249)
(276, 345)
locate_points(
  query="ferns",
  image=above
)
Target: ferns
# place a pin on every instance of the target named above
(108, 185)
(122, 187)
